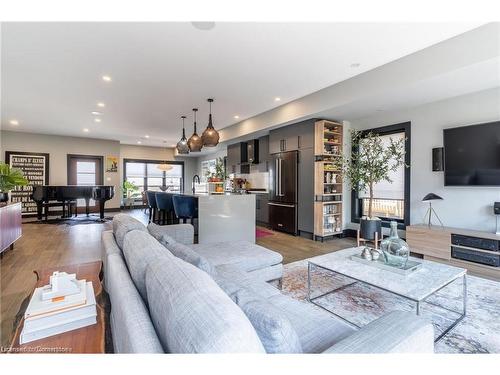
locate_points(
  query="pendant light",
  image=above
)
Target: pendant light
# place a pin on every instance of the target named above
(210, 136)
(164, 167)
(182, 145)
(194, 142)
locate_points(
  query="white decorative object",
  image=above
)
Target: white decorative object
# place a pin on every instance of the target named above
(61, 285)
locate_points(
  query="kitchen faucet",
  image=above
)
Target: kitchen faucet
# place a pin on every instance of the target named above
(195, 178)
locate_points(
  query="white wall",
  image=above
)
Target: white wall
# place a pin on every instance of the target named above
(58, 147)
(463, 207)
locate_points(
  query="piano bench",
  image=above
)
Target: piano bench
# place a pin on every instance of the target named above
(70, 204)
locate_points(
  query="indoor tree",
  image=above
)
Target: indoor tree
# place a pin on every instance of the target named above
(371, 161)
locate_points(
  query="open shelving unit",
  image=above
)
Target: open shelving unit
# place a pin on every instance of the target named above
(328, 183)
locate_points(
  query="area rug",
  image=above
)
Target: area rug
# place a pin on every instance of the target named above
(478, 332)
(259, 233)
(79, 220)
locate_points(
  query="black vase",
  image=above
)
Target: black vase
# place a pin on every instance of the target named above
(368, 228)
(4, 197)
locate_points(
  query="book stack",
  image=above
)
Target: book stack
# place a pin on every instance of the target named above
(48, 317)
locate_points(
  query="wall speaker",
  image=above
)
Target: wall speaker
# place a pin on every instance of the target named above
(438, 159)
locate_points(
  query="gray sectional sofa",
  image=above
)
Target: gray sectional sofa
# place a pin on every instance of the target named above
(169, 295)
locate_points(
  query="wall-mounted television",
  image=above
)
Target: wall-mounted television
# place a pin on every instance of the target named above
(472, 155)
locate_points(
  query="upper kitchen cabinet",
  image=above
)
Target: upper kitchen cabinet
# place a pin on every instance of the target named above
(237, 158)
(263, 154)
(292, 137)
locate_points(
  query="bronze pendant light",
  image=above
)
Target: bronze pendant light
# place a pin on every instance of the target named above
(182, 145)
(210, 136)
(195, 143)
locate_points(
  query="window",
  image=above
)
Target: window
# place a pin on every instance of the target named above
(391, 200)
(207, 167)
(85, 170)
(155, 175)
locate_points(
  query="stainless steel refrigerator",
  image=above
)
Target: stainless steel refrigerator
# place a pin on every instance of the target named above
(283, 175)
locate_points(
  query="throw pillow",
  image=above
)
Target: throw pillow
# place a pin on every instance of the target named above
(188, 255)
(273, 327)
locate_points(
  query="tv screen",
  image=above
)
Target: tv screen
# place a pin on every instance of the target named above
(472, 155)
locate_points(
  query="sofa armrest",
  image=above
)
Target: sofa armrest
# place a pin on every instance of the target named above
(396, 332)
(183, 233)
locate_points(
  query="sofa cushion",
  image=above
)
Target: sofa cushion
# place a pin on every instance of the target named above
(186, 254)
(158, 232)
(122, 224)
(273, 327)
(318, 330)
(133, 331)
(191, 314)
(235, 274)
(140, 249)
(246, 255)
(183, 233)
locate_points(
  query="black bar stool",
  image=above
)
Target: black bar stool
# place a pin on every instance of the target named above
(151, 196)
(185, 207)
(165, 204)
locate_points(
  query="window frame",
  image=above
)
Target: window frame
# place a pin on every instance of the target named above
(356, 206)
(149, 161)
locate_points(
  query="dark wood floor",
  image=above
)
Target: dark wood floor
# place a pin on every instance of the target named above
(46, 245)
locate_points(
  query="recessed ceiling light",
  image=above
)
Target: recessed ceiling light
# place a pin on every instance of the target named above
(97, 120)
(277, 99)
(355, 65)
(101, 105)
(85, 130)
(236, 117)
(203, 25)
(146, 136)
(106, 78)
(139, 142)
(14, 122)
(95, 113)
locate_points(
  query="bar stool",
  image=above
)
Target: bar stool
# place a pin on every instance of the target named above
(165, 205)
(151, 197)
(185, 207)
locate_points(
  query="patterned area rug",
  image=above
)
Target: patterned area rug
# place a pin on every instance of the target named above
(478, 332)
(259, 233)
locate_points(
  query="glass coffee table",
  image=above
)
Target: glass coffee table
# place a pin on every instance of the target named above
(417, 287)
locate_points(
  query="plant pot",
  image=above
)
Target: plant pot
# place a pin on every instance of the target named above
(368, 228)
(4, 197)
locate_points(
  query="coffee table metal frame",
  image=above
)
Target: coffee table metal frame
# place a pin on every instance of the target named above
(418, 302)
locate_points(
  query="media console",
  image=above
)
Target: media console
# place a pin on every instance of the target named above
(477, 251)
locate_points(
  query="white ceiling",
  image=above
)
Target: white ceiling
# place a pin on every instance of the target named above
(51, 72)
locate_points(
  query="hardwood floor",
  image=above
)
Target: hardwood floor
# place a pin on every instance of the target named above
(49, 245)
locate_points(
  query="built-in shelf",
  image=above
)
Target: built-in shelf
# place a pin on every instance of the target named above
(327, 147)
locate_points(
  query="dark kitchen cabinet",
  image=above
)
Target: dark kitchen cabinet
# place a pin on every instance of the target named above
(292, 137)
(262, 208)
(263, 154)
(237, 158)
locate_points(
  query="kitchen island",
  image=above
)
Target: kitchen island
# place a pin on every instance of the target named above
(226, 217)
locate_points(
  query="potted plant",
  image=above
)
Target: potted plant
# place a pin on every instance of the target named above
(370, 163)
(130, 189)
(9, 179)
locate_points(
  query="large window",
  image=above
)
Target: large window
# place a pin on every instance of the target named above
(155, 175)
(391, 200)
(85, 170)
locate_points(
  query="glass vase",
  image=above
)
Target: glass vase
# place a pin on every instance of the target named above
(395, 250)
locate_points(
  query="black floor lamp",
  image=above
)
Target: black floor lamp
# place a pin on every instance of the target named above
(430, 211)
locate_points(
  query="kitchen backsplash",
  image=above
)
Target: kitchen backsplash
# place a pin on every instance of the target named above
(258, 180)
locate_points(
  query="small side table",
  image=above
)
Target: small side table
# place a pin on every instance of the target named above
(90, 339)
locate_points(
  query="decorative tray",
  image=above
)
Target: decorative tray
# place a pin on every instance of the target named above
(411, 265)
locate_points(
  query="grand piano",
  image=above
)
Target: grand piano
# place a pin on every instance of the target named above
(44, 194)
